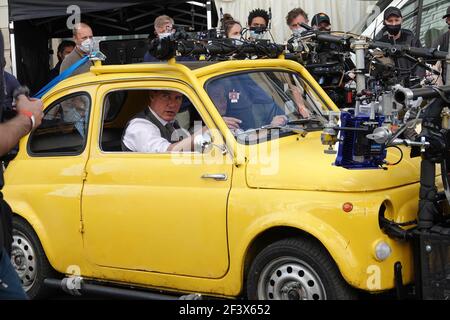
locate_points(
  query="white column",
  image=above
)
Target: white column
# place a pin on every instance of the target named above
(209, 14)
(12, 43)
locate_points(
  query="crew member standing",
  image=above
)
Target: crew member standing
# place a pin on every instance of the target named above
(84, 39)
(393, 33)
(321, 22)
(442, 43)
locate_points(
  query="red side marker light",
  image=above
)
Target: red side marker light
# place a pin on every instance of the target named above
(347, 207)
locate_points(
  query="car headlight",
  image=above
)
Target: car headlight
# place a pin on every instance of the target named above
(382, 251)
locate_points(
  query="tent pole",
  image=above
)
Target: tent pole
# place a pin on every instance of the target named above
(208, 14)
(12, 48)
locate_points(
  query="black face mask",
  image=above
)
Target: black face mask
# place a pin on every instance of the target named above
(258, 30)
(393, 29)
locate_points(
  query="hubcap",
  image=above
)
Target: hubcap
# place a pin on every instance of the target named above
(23, 259)
(289, 278)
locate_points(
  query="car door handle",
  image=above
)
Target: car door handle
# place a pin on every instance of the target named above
(216, 176)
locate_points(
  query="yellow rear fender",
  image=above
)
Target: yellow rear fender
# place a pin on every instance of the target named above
(23, 210)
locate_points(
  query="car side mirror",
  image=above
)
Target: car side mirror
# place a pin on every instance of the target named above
(203, 143)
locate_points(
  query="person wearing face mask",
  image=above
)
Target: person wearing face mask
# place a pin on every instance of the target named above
(442, 44)
(164, 28)
(231, 27)
(321, 22)
(258, 20)
(295, 18)
(84, 40)
(393, 33)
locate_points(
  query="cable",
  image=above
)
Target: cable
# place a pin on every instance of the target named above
(441, 94)
(401, 156)
(401, 224)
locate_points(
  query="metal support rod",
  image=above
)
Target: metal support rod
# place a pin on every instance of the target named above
(447, 78)
(405, 95)
(12, 48)
(360, 47)
(112, 291)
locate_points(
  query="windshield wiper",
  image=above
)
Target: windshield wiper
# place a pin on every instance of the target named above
(295, 129)
(305, 121)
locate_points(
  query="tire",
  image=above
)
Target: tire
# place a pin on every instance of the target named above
(296, 269)
(30, 261)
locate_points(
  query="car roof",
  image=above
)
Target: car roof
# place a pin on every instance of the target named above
(197, 64)
(164, 70)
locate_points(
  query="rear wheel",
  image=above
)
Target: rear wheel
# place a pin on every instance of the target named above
(29, 260)
(296, 269)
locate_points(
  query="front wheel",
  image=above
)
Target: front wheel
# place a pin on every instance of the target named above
(295, 269)
(29, 260)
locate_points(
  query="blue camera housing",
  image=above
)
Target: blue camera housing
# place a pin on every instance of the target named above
(355, 150)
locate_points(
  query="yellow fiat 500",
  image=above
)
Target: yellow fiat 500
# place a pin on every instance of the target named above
(255, 211)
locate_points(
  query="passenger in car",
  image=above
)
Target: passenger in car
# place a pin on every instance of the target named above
(74, 111)
(241, 109)
(155, 130)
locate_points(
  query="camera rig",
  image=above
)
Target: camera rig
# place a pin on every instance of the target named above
(384, 116)
(383, 108)
(375, 119)
(212, 45)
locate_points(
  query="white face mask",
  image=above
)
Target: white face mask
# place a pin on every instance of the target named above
(237, 37)
(164, 35)
(298, 32)
(87, 46)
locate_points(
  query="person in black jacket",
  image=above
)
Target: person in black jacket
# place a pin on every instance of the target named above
(442, 44)
(393, 33)
(29, 116)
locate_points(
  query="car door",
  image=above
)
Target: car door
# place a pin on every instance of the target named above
(52, 161)
(154, 213)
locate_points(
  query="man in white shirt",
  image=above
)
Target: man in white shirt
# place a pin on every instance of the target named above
(153, 130)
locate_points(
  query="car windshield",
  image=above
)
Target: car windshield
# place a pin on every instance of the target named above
(267, 99)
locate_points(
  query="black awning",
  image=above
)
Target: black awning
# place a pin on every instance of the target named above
(34, 9)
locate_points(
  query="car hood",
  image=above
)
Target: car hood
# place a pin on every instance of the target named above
(299, 163)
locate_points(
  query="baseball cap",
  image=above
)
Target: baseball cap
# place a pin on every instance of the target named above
(392, 11)
(318, 18)
(448, 13)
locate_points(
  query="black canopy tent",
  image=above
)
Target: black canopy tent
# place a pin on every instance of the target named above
(35, 22)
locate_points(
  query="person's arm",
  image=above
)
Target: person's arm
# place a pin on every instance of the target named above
(143, 136)
(437, 42)
(232, 123)
(66, 63)
(417, 43)
(14, 129)
(187, 144)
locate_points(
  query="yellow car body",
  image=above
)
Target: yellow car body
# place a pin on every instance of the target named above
(141, 220)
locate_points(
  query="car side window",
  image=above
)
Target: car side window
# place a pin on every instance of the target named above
(64, 127)
(120, 107)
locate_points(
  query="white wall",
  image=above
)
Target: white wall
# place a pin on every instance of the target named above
(4, 29)
(344, 14)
